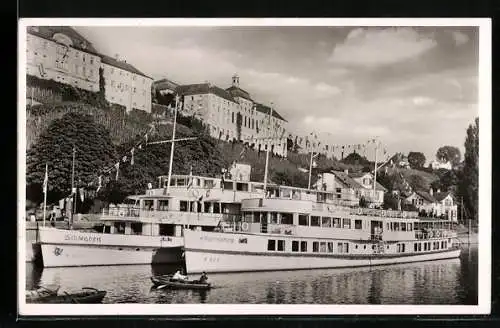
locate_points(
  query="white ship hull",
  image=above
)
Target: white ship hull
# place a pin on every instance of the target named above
(67, 248)
(212, 256)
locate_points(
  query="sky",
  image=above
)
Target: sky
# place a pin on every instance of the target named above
(416, 88)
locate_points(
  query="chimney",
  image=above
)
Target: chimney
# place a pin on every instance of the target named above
(431, 192)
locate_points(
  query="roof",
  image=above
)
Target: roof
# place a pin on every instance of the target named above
(425, 195)
(348, 180)
(204, 88)
(122, 65)
(238, 92)
(165, 84)
(79, 42)
(266, 109)
(439, 196)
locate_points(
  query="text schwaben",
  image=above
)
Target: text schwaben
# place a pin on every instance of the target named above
(87, 239)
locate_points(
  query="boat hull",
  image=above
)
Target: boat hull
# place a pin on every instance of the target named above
(61, 248)
(200, 257)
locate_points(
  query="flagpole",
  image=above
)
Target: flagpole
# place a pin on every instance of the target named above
(72, 188)
(267, 153)
(173, 143)
(310, 170)
(375, 169)
(45, 193)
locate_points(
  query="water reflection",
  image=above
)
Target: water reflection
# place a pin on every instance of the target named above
(438, 282)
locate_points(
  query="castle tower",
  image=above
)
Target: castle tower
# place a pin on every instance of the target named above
(236, 81)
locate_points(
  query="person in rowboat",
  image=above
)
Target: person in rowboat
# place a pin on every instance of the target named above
(179, 276)
(204, 278)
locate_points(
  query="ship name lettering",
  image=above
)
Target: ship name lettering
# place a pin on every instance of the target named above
(220, 239)
(88, 239)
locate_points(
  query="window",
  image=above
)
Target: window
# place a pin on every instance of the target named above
(274, 217)
(295, 246)
(286, 218)
(136, 228)
(162, 205)
(336, 222)
(281, 245)
(410, 227)
(326, 222)
(315, 246)
(314, 221)
(357, 224)
(271, 245)
(330, 247)
(403, 248)
(346, 223)
(183, 206)
(303, 220)
(303, 246)
(396, 226)
(91, 61)
(232, 117)
(119, 227)
(403, 226)
(419, 247)
(415, 248)
(256, 217)
(322, 247)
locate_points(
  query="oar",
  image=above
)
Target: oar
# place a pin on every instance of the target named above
(161, 287)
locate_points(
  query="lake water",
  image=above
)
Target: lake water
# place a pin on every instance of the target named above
(451, 281)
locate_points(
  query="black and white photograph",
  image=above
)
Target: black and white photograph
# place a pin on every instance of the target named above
(254, 166)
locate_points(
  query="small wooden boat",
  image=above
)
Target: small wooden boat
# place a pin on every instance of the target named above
(41, 292)
(168, 282)
(88, 295)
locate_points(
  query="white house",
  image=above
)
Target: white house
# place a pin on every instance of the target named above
(436, 165)
(434, 204)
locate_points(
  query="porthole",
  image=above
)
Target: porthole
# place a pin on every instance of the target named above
(137, 249)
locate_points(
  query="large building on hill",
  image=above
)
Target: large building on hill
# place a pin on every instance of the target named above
(231, 114)
(61, 54)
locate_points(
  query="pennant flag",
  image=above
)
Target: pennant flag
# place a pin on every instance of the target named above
(117, 166)
(132, 156)
(46, 179)
(99, 179)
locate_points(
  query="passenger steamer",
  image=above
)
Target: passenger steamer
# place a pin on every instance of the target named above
(149, 228)
(295, 228)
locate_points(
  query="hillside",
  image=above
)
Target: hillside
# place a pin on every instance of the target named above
(416, 178)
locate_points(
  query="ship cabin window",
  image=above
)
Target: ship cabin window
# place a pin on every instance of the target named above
(303, 220)
(242, 186)
(314, 221)
(228, 185)
(271, 245)
(346, 223)
(326, 222)
(336, 222)
(181, 181)
(415, 248)
(322, 247)
(281, 245)
(396, 226)
(166, 230)
(403, 226)
(315, 247)
(274, 218)
(425, 247)
(320, 197)
(216, 207)
(419, 247)
(248, 217)
(410, 227)
(295, 246)
(147, 205)
(210, 184)
(330, 247)
(358, 224)
(257, 188)
(343, 248)
(136, 228)
(256, 217)
(401, 248)
(303, 246)
(437, 244)
(162, 205)
(286, 193)
(183, 206)
(119, 228)
(286, 218)
(206, 207)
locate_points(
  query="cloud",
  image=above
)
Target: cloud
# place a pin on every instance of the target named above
(460, 38)
(422, 101)
(326, 90)
(376, 47)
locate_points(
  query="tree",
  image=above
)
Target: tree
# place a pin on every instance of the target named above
(94, 150)
(102, 85)
(390, 201)
(449, 153)
(355, 159)
(469, 184)
(416, 159)
(239, 122)
(417, 182)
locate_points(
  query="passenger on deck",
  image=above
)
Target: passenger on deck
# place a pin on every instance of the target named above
(179, 276)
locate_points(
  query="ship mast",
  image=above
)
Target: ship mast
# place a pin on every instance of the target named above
(173, 143)
(375, 168)
(267, 152)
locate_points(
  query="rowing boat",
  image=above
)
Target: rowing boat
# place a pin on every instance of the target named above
(88, 295)
(167, 281)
